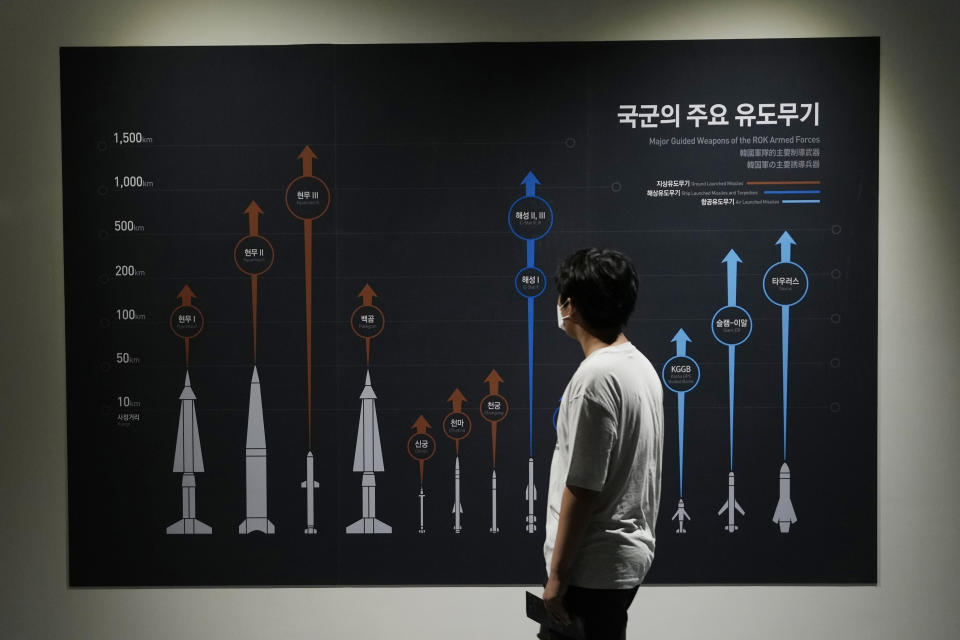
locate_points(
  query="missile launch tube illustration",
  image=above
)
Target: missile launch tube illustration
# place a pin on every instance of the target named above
(310, 485)
(531, 495)
(731, 505)
(368, 459)
(493, 497)
(784, 514)
(188, 460)
(421, 496)
(256, 465)
(681, 516)
(457, 507)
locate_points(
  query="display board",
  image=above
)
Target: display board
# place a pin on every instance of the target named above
(311, 330)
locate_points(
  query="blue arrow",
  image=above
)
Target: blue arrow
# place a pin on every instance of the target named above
(531, 250)
(731, 359)
(732, 259)
(681, 339)
(531, 183)
(785, 323)
(680, 397)
(530, 364)
(785, 241)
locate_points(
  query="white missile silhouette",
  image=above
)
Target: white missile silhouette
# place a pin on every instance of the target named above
(531, 495)
(368, 459)
(784, 515)
(730, 505)
(493, 496)
(422, 530)
(681, 516)
(256, 465)
(188, 460)
(310, 484)
(457, 507)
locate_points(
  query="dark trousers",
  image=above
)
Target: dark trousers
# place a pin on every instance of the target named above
(603, 612)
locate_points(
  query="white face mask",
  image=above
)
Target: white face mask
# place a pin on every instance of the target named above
(560, 316)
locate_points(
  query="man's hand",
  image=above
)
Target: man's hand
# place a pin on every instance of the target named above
(575, 510)
(553, 594)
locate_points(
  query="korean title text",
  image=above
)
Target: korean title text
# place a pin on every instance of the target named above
(652, 116)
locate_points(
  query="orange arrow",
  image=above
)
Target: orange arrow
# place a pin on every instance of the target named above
(307, 156)
(186, 295)
(254, 211)
(457, 399)
(421, 425)
(308, 296)
(367, 294)
(494, 381)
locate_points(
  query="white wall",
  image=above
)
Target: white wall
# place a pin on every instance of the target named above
(918, 593)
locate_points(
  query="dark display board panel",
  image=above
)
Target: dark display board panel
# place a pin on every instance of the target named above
(333, 263)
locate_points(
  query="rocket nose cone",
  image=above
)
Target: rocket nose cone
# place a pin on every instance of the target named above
(680, 504)
(187, 393)
(256, 378)
(784, 468)
(731, 475)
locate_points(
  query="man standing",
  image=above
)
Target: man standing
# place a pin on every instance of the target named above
(605, 475)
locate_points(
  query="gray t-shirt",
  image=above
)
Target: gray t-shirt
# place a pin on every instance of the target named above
(610, 440)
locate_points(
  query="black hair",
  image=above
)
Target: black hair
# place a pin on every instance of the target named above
(602, 283)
